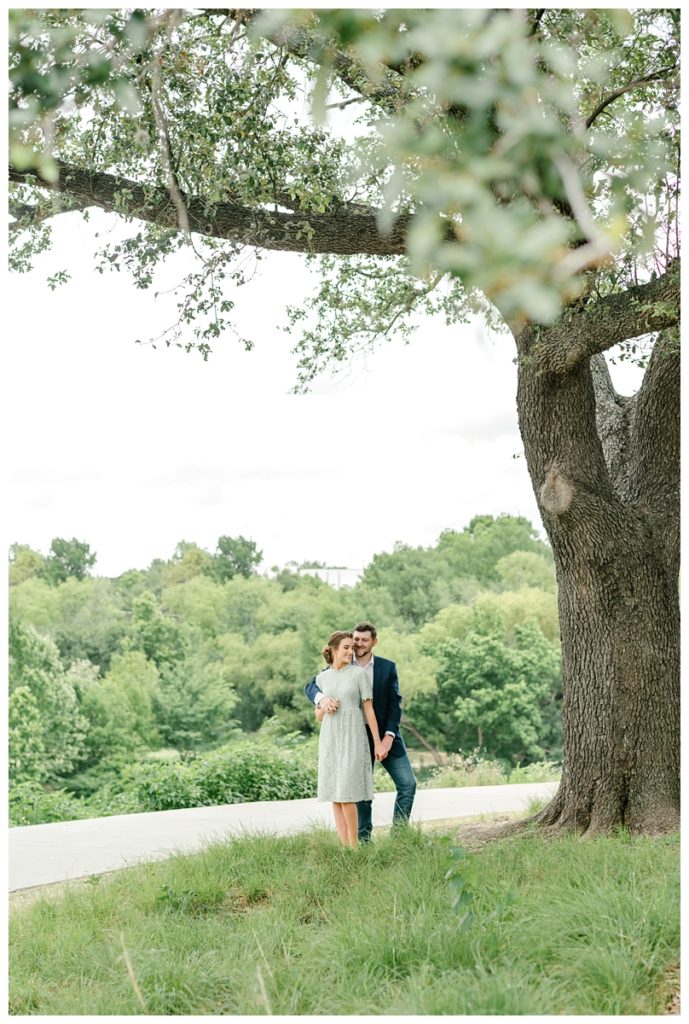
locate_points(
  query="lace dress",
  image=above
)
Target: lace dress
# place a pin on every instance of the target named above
(345, 772)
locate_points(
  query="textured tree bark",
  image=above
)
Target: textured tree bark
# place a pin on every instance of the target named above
(345, 231)
(605, 472)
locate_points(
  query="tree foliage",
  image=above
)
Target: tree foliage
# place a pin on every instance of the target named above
(497, 155)
(120, 709)
(205, 660)
(25, 728)
(194, 703)
(160, 638)
(494, 695)
(235, 556)
(47, 728)
(67, 559)
(24, 563)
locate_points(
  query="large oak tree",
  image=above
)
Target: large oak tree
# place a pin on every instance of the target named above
(521, 164)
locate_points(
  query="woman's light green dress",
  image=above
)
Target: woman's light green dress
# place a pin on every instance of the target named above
(345, 772)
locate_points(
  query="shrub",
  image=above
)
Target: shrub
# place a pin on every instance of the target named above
(162, 785)
(382, 783)
(105, 775)
(237, 773)
(31, 804)
(255, 771)
(477, 770)
(111, 800)
(467, 771)
(539, 771)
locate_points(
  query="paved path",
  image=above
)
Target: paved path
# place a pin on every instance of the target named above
(41, 854)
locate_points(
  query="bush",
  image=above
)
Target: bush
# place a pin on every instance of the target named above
(105, 775)
(111, 800)
(262, 769)
(539, 771)
(238, 773)
(382, 783)
(477, 770)
(251, 771)
(31, 804)
(469, 771)
(162, 785)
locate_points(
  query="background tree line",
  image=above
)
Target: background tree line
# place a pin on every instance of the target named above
(200, 650)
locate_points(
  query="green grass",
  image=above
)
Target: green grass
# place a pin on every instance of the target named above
(300, 926)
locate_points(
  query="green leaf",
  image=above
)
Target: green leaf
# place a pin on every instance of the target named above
(127, 97)
(48, 168)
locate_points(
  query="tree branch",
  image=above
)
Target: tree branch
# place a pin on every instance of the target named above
(537, 21)
(164, 146)
(613, 418)
(639, 310)
(300, 42)
(655, 76)
(437, 756)
(655, 438)
(28, 216)
(342, 232)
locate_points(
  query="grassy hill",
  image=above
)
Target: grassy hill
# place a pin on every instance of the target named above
(299, 926)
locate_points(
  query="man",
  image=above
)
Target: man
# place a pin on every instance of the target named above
(387, 707)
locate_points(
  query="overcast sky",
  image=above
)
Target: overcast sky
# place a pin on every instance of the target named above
(134, 449)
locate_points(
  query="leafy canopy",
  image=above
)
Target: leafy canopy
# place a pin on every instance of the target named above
(497, 160)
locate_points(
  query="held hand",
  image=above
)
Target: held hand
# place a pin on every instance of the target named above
(386, 743)
(329, 705)
(380, 751)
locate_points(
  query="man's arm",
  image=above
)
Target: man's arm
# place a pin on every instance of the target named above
(315, 695)
(312, 690)
(394, 710)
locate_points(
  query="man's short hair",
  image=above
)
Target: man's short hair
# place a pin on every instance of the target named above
(366, 627)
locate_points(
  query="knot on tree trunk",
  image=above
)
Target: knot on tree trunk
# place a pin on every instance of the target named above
(556, 493)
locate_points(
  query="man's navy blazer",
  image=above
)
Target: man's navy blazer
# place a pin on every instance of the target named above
(387, 702)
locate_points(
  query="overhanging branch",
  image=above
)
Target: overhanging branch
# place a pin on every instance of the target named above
(27, 215)
(635, 84)
(341, 232)
(599, 326)
(301, 42)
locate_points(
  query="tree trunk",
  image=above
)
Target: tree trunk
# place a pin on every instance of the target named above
(619, 621)
(612, 519)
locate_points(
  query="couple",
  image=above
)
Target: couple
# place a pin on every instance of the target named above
(356, 680)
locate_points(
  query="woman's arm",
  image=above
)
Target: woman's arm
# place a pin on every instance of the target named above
(378, 747)
(320, 713)
(371, 719)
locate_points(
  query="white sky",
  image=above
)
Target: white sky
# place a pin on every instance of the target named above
(133, 449)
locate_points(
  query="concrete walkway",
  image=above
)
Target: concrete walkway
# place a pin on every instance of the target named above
(42, 854)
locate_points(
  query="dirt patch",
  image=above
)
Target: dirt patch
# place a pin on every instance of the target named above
(477, 831)
(672, 990)
(460, 825)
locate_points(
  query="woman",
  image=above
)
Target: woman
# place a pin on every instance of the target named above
(345, 773)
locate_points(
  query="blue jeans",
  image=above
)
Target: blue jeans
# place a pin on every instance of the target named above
(402, 774)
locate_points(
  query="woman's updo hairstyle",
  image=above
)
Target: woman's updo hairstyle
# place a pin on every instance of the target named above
(334, 641)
